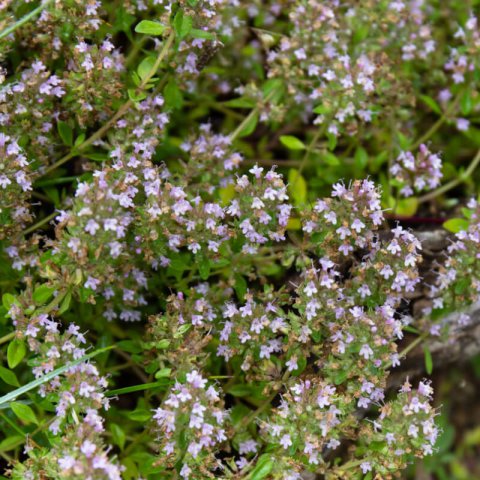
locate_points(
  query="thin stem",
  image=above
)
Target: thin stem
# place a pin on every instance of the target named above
(25, 19)
(249, 117)
(433, 129)
(40, 223)
(242, 125)
(272, 163)
(135, 388)
(13, 425)
(349, 465)
(310, 147)
(136, 48)
(264, 405)
(410, 347)
(121, 111)
(452, 183)
(7, 338)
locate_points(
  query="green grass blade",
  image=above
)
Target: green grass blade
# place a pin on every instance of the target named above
(9, 397)
(24, 19)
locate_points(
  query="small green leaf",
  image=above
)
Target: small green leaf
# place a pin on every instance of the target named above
(163, 373)
(139, 415)
(12, 442)
(428, 360)
(8, 300)
(466, 103)
(403, 141)
(135, 96)
(361, 158)
(407, 206)
(65, 304)
(42, 293)
(150, 28)
(118, 435)
(196, 33)
(297, 187)
(96, 156)
(322, 109)
(294, 224)
(79, 140)
(431, 103)
(249, 126)
(263, 467)
(240, 286)
(226, 194)
(204, 268)
(173, 95)
(24, 412)
(182, 24)
(65, 132)
(330, 159)
(15, 352)
(162, 344)
(145, 67)
(456, 225)
(9, 377)
(240, 390)
(292, 143)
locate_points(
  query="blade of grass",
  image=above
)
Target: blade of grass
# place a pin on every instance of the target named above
(24, 19)
(10, 397)
(134, 388)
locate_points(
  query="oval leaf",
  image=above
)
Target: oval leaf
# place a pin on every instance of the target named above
(456, 225)
(9, 377)
(150, 28)
(15, 352)
(263, 467)
(292, 143)
(24, 412)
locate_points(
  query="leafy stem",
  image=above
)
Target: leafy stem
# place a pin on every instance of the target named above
(121, 111)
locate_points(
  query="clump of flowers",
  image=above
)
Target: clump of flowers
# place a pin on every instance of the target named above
(31, 104)
(15, 188)
(58, 25)
(275, 308)
(193, 411)
(417, 173)
(94, 80)
(77, 392)
(406, 426)
(457, 283)
(100, 220)
(346, 221)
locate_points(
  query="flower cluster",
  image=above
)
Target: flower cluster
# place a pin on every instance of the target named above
(31, 104)
(77, 392)
(15, 188)
(79, 455)
(457, 284)
(345, 222)
(405, 427)
(99, 223)
(209, 146)
(94, 81)
(417, 173)
(261, 212)
(58, 25)
(192, 411)
(252, 331)
(325, 60)
(80, 388)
